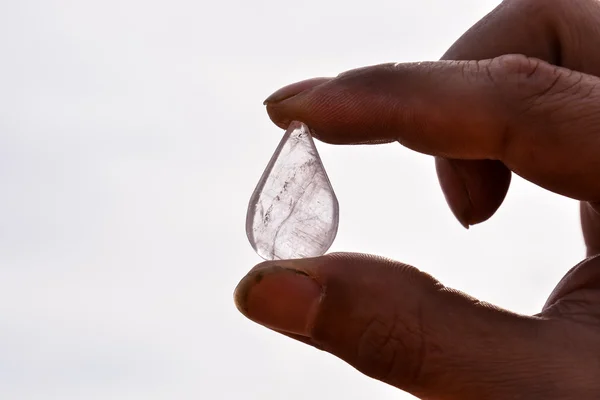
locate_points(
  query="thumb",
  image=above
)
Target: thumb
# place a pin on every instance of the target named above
(401, 326)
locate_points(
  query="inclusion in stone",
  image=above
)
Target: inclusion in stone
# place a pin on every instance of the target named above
(293, 212)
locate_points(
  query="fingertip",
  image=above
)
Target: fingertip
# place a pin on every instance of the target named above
(474, 189)
(488, 182)
(293, 89)
(352, 108)
(279, 118)
(455, 191)
(280, 298)
(278, 110)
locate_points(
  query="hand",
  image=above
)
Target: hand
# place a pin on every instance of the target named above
(530, 104)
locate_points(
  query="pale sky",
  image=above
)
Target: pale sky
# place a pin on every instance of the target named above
(132, 134)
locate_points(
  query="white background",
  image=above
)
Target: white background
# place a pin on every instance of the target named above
(131, 137)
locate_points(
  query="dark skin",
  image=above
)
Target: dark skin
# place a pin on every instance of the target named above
(521, 95)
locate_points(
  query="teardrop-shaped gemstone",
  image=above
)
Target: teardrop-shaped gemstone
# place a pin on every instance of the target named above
(293, 212)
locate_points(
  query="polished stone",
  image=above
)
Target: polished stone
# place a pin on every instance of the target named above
(293, 212)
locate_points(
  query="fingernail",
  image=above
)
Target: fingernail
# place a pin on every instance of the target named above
(279, 298)
(291, 90)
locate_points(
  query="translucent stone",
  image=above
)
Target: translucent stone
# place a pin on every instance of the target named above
(293, 212)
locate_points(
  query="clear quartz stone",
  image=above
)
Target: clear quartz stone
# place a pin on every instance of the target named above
(293, 212)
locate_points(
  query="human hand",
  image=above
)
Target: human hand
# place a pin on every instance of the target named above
(526, 100)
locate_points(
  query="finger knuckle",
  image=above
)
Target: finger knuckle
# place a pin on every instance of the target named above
(526, 82)
(518, 77)
(528, 89)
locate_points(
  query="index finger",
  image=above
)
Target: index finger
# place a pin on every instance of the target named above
(538, 119)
